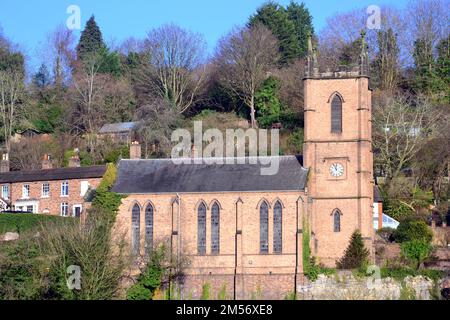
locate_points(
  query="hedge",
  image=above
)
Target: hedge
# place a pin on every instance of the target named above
(22, 222)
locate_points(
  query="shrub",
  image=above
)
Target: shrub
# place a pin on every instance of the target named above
(355, 255)
(295, 141)
(411, 229)
(206, 288)
(386, 234)
(104, 198)
(416, 251)
(23, 222)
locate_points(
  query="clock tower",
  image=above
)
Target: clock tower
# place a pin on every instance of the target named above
(338, 154)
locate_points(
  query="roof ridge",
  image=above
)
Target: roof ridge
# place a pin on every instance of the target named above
(208, 158)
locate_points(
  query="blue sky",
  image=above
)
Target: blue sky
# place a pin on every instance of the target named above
(28, 22)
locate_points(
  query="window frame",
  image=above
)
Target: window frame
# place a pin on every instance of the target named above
(215, 228)
(63, 184)
(336, 214)
(43, 194)
(201, 229)
(136, 229)
(5, 187)
(66, 206)
(264, 223)
(278, 223)
(336, 114)
(26, 186)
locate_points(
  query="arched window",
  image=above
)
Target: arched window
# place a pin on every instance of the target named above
(149, 228)
(201, 231)
(264, 228)
(135, 228)
(337, 220)
(336, 114)
(215, 229)
(277, 228)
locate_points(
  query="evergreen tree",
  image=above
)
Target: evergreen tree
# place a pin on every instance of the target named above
(42, 78)
(91, 40)
(355, 255)
(350, 53)
(302, 20)
(276, 19)
(267, 103)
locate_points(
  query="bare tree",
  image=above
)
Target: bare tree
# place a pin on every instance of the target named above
(157, 121)
(11, 92)
(245, 56)
(175, 67)
(402, 127)
(426, 20)
(59, 52)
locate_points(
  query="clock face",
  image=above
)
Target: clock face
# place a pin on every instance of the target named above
(337, 170)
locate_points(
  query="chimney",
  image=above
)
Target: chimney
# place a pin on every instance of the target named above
(4, 164)
(135, 151)
(74, 161)
(46, 162)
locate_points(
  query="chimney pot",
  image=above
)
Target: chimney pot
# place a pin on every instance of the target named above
(4, 163)
(74, 161)
(46, 162)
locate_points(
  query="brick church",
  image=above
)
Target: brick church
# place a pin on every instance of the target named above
(243, 231)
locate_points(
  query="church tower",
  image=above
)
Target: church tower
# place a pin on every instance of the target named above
(338, 154)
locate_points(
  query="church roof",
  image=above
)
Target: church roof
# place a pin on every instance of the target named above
(164, 176)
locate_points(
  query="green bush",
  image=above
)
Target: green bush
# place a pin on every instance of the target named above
(104, 198)
(411, 229)
(23, 222)
(386, 234)
(401, 273)
(295, 141)
(356, 254)
(115, 154)
(206, 288)
(416, 251)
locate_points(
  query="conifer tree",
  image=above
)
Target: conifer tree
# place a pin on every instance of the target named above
(355, 255)
(302, 19)
(276, 19)
(91, 40)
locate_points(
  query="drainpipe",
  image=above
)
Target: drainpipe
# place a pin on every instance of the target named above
(296, 248)
(235, 253)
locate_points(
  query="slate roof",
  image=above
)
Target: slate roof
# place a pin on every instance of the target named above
(164, 176)
(118, 127)
(53, 174)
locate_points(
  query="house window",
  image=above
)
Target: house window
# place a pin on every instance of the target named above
(5, 192)
(30, 209)
(336, 115)
(337, 220)
(264, 227)
(149, 228)
(64, 209)
(45, 189)
(215, 229)
(25, 191)
(135, 228)
(201, 229)
(65, 189)
(277, 228)
(84, 188)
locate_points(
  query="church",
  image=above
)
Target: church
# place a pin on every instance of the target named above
(244, 232)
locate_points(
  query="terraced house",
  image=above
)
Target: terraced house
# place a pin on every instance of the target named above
(55, 191)
(244, 231)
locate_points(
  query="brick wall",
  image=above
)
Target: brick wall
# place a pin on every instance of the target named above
(52, 203)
